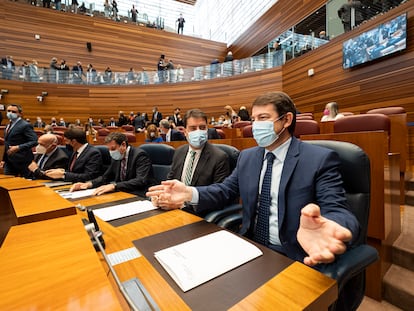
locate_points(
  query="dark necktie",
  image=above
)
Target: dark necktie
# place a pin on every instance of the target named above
(42, 161)
(123, 169)
(72, 164)
(9, 126)
(262, 224)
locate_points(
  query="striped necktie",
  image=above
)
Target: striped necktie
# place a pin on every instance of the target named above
(262, 225)
(189, 169)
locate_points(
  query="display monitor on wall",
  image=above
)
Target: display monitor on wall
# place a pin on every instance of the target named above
(385, 39)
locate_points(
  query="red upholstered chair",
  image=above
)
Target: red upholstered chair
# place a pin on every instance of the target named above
(387, 110)
(112, 127)
(97, 127)
(131, 137)
(363, 122)
(128, 128)
(103, 132)
(60, 128)
(304, 127)
(221, 133)
(247, 131)
(241, 124)
(304, 117)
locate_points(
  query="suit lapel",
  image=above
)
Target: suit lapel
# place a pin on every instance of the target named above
(289, 165)
(252, 176)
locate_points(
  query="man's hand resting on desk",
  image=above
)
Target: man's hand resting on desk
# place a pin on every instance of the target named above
(55, 173)
(87, 185)
(171, 194)
(320, 237)
(80, 186)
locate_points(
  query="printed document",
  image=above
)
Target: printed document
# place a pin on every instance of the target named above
(123, 210)
(197, 261)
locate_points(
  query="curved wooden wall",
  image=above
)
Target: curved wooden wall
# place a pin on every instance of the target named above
(120, 46)
(82, 101)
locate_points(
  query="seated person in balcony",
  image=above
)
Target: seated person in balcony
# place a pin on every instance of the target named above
(198, 163)
(152, 135)
(243, 114)
(48, 156)
(130, 169)
(292, 191)
(168, 133)
(331, 112)
(85, 162)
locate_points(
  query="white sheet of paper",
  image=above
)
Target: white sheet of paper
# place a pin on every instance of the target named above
(76, 194)
(123, 210)
(197, 261)
(124, 255)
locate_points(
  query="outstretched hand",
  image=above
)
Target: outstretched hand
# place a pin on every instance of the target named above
(320, 237)
(171, 194)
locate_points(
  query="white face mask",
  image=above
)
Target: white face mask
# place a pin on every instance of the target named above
(116, 155)
(264, 132)
(41, 149)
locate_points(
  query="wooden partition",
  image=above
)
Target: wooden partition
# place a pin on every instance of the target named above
(384, 224)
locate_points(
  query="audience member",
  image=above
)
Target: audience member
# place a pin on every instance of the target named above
(198, 163)
(180, 21)
(156, 116)
(231, 114)
(78, 73)
(139, 122)
(19, 139)
(48, 129)
(331, 112)
(180, 73)
(243, 114)
(176, 117)
(130, 169)
(34, 71)
(168, 134)
(48, 156)
(112, 122)
(85, 163)
(8, 67)
(39, 123)
(122, 119)
(301, 210)
(161, 69)
(134, 14)
(152, 134)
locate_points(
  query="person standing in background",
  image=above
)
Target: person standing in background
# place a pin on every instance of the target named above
(180, 22)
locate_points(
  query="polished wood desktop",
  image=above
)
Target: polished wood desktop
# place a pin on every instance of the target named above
(52, 265)
(16, 183)
(317, 291)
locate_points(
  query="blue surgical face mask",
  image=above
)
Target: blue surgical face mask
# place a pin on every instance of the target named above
(197, 138)
(116, 155)
(12, 116)
(264, 132)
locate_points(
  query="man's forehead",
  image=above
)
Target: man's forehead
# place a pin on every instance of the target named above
(196, 121)
(269, 108)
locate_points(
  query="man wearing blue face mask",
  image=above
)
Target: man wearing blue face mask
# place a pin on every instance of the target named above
(198, 163)
(130, 169)
(292, 192)
(19, 139)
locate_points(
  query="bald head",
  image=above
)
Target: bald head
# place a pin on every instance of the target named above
(49, 141)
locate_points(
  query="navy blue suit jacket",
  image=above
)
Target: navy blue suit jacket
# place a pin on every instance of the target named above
(310, 175)
(87, 166)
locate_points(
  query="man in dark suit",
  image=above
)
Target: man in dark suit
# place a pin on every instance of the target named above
(292, 192)
(48, 156)
(39, 123)
(209, 164)
(176, 117)
(130, 169)
(85, 162)
(19, 139)
(169, 134)
(156, 116)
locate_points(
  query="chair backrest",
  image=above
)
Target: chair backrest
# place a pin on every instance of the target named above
(221, 133)
(304, 127)
(247, 131)
(130, 136)
(387, 110)
(356, 174)
(241, 124)
(232, 152)
(161, 156)
(106, 157)
(103, 132)
(304, 117)
(362, 122)
(128, 128)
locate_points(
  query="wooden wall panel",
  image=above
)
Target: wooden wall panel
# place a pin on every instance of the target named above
(118, 45)
(82, 101)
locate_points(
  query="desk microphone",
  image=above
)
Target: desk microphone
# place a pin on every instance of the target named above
(96, 232)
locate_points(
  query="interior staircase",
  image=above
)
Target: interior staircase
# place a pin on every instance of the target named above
(398, 282)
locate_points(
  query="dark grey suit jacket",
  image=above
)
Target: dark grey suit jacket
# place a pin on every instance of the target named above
(212, 167)
(58, 159)
(139, 175)
(87, 166)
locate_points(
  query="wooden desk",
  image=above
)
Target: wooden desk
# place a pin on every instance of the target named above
(16, 183)
(52, 265)
(5, 176)
(317, 291)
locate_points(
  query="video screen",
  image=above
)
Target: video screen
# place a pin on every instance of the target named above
(385, 39)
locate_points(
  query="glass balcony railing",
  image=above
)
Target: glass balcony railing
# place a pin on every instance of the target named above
(32, 73)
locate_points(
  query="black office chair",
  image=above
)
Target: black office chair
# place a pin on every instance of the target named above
(216, 216)
(349, 268)
(106, 157)
(161, 156)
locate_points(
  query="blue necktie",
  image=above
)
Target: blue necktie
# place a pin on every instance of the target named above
(262, 225)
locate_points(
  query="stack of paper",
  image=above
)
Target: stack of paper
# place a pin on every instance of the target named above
(124, 210)
(197, 261)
